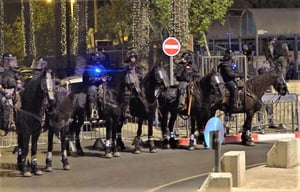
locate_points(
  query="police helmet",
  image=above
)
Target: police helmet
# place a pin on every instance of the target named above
(96, 58)
(228, 55)
(262, 70)
(187, 56)
(131, 54)
(39, 64)
(9, 60)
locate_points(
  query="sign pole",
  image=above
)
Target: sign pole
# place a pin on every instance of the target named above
(171, 47)
(171, 71)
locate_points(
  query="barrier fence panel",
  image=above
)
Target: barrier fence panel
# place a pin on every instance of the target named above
(208, 63)
(283, 112)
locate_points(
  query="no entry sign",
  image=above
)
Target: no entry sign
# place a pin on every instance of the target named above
(171, 46)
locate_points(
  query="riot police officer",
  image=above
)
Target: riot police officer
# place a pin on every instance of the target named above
(10, 86)
(38, 66)
(134, 70)
(184, 75)
(230, 73)
(93, 76)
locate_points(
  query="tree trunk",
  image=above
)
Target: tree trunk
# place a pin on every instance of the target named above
(82, 28)
(179, 26)
(140, 31)
(1, 26)
(30, 47)
(60, 34)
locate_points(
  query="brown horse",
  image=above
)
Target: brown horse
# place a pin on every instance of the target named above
(250, 98)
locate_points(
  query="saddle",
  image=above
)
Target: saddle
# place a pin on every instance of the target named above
(171, 93)
(107, 97)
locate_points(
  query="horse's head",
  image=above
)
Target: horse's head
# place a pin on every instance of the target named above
(160, 75)
(213, 85)
(47, 83)
(279, 83)
(60, 111)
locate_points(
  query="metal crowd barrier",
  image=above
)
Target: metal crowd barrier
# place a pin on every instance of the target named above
(11, 140)
(284, 114)
(208, 63)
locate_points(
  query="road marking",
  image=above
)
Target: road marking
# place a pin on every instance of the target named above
(177, 181)
(193, 177)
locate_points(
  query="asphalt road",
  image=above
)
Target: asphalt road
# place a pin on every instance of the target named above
(165, 171)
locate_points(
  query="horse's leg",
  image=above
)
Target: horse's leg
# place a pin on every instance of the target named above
(152, 148)
(108, 151)
(163, 118)
(120, 143)
(20, 148)
(64, 141)
(172, 120)
(115, 128)
(78, 125)
(49, 152)
(137, 139)
(34, 146)
(191, 146)
(23, 143)
(246, 135)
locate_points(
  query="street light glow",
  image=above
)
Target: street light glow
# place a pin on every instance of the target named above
(48, 1)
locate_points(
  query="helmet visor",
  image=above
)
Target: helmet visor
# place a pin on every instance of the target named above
(11, 62)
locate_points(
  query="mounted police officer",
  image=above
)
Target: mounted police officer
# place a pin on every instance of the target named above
(281, 52)
(135, 75)
(229, 72)
(10, 86)
(184, 75)
(93, 76)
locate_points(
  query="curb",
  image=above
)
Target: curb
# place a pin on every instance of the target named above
(260, 137)
(184, 141)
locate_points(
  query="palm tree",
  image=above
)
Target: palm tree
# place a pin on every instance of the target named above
(1, 26)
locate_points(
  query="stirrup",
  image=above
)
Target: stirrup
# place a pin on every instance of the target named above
(94, 115)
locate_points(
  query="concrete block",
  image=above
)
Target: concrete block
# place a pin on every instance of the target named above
(285, 153)
(217, 182)
(235, 163)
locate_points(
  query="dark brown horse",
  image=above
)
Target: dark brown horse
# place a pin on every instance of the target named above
(250, 98)
(37, 92)
(197, 98)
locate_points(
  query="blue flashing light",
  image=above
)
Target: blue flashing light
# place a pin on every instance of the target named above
(234, 66)
(98, 70)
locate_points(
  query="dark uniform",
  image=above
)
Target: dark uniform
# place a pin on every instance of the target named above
(10, 86)
(184, 75)
(134, 71)
(93, 76)
(281, 54)
(229, 73)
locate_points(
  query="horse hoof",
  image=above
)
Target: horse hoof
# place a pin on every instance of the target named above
(80, 153)
(48, 169)
(191, 148)
(27, 174)
(248, 143)
(67, 167)
(153, 150)
(137, 151)
(108, 155)
(38, 172)
(116, 154)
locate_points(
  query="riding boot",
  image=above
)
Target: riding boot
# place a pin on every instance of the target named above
(182, 89)
(181, 105)
(234, 101)
(127, 113)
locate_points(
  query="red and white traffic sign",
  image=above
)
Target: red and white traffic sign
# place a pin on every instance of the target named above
(171, 46)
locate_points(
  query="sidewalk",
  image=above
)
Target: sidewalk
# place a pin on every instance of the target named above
(267, 179)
